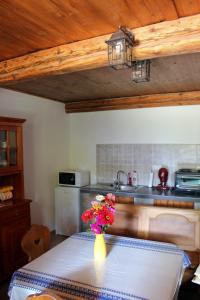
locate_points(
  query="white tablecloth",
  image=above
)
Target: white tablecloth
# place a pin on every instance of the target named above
(133, 269)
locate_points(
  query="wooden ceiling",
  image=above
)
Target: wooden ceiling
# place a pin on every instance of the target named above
(30, 25)
(67, 29)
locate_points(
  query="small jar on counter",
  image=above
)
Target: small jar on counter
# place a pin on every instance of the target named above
(135, 178)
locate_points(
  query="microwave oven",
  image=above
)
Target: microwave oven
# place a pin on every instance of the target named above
(187, 180)
(73, 178)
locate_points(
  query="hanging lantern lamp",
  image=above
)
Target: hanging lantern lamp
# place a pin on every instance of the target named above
(120, 49)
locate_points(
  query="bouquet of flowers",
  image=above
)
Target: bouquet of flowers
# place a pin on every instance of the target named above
(101, 214)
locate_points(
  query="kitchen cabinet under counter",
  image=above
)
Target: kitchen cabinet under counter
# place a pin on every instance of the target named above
(153, 220)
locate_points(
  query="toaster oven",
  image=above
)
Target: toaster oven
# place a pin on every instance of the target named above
(187, 180)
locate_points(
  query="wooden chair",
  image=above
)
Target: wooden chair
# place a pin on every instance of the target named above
(43, 296)
(36, 241)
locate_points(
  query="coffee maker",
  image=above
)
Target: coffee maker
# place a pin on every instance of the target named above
(163, 176)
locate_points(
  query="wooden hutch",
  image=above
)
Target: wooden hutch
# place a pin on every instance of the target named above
(14, 212)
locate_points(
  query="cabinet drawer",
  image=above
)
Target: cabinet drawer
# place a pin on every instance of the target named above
(174, 203)
(124, 200)
(14, 213)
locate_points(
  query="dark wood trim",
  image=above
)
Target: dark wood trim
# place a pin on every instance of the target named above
(155, 100)
(10, 119)
(167, 38)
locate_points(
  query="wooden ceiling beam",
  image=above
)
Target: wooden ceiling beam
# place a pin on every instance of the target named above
(168, 38)
(155, 100)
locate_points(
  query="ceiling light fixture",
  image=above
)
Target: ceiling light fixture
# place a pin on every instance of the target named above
(141, 70)
(120, 49)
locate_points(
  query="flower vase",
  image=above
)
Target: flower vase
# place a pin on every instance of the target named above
(99, 247)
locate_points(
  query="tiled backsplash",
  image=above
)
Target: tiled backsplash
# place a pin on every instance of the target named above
(143, 157)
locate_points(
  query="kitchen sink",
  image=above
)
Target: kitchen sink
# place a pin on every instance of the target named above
(127, 188)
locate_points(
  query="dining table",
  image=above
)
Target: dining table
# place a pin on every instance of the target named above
(133, 269)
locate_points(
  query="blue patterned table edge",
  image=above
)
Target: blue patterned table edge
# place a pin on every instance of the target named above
(25, 276)
(70, 287)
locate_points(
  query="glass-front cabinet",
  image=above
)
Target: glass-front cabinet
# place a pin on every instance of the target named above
(11, 156)
(8, 147)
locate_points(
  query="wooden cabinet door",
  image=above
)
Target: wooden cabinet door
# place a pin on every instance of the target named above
(126, 218)
(11, 236)
(125, 222)
(10, 148)
(11, 155)
(173, 225)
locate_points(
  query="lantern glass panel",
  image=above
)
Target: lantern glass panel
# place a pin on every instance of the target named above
(117, 54)
(141, 71)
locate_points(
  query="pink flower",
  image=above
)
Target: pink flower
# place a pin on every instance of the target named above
(96, 228)
(112, 209)
(110, 199)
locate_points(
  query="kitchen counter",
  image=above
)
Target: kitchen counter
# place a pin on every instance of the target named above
(143, 192)
(147, 213)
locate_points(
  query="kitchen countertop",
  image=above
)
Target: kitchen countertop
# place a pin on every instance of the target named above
(143, 192)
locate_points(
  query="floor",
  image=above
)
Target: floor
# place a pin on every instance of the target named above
(188, 291)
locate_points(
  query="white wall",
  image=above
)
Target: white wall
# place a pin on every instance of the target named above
(176, 125)
(54, 140)
(45, 148)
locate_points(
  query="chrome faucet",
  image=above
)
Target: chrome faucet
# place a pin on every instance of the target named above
(117, 182)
